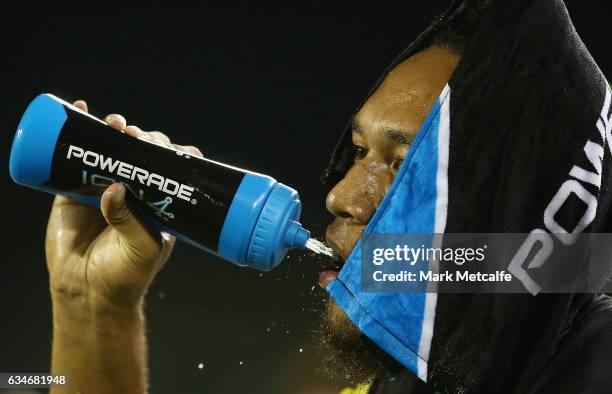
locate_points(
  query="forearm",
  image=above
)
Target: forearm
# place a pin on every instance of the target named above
(101, 350)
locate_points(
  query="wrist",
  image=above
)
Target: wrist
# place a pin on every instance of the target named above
(96, 315)
(101, 346)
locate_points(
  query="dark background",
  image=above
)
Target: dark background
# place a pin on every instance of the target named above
(264, 88)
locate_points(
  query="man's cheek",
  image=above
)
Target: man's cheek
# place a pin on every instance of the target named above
(378, 182)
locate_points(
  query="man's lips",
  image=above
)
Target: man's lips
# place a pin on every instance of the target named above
(325, 277)
(328, 275)
(329, 238)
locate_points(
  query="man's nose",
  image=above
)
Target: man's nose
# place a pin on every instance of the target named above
(351, 197)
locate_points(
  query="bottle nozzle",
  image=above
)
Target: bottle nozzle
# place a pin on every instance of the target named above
(296, 236)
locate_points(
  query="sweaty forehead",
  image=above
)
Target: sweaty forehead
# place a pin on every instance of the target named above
(406, 95)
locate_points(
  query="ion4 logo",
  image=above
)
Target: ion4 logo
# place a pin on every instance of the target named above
(160, 207)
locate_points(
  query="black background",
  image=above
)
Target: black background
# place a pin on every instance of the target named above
(264, 88)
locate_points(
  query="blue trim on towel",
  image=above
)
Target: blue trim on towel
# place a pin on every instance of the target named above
(394, 321)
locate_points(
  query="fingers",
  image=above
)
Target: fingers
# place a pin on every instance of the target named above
(156, 137)
(81, 104)
(162, 139)
(119, 122)
(133, 131)
(132, 232)
(116, 121)
(168, 241)
(159, 138)
(192, 150)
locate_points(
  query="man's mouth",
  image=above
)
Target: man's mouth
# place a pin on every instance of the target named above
(327, 276)
(333, 268)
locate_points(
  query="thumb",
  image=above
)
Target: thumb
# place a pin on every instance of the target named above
(118, 216)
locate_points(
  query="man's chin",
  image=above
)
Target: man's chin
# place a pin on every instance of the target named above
(346, 353)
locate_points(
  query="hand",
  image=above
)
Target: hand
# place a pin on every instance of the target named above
(105, 258)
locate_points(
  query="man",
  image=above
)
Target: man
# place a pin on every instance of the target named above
(101, 264)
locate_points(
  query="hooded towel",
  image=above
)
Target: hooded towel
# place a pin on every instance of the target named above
(498, 153)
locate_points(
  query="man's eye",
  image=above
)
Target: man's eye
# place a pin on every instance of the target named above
(360, 152)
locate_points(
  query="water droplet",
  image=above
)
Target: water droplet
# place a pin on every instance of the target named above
(301, 350)
(161, 295)
(241, 363)
(200, 365)
(319, 247)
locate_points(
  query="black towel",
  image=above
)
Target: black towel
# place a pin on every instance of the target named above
(525, 106)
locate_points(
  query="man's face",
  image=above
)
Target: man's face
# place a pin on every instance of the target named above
(382, 132)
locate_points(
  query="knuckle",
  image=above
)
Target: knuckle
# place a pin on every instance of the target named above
(158, 135)
(193, 150)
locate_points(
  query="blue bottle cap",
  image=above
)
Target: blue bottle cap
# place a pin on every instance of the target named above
(277, 229)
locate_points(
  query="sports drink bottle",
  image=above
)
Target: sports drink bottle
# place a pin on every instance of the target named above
(247, 218)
